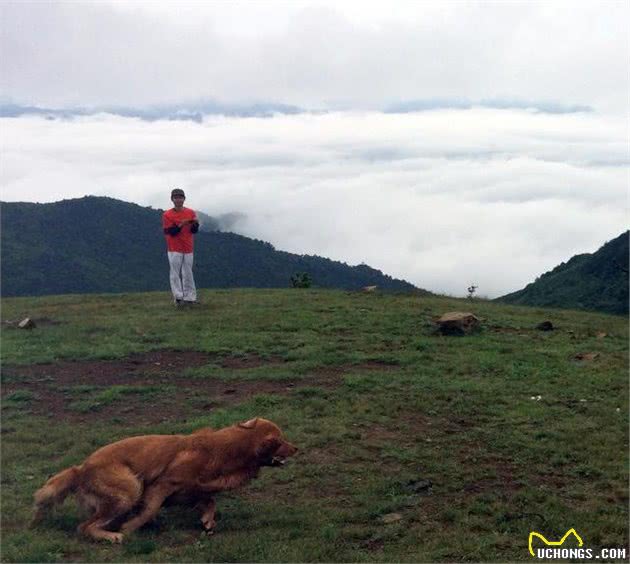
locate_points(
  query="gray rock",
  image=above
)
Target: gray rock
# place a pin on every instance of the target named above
(27, 323)
(419, 486)
(458, 323)
(391, 518)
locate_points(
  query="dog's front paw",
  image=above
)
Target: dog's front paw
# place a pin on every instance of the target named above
(115, 538)
(208, 524)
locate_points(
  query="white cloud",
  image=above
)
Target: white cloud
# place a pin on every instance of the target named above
(442, 198)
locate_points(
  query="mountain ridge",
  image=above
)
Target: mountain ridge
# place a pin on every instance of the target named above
(591, 281)
(100, 245)
(196, 110)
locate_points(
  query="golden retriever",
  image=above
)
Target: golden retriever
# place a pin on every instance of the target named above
(129, 480)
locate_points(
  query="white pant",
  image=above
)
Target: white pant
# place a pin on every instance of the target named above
(182, 281)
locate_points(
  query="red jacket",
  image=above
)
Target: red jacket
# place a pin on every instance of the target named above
(181, 241)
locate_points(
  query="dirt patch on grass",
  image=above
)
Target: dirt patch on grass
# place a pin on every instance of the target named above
(144, 368)
(481, 470)
(484, 471)
(249, 361)
(152, 385)
(504, 483)
(520, 331)
(370, 365)
(506, 329)
(38, 321)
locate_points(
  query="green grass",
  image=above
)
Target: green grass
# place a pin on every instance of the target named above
(93, 398)
(375, 400)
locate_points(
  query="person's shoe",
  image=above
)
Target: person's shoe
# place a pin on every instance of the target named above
(179, 302)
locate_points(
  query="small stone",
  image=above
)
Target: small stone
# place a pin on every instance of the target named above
(391, 518)
(601, 335)
(420, 485)
(27, 323)
(457, 323)
(545, 326)
(369, 289)
(588, 356)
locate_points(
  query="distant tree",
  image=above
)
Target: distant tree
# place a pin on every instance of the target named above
(301, 280)
(471, 291)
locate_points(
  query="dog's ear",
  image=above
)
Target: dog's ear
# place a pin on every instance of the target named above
(249, 424)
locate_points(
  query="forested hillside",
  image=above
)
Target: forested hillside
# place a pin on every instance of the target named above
(597, 281)
(96, 244)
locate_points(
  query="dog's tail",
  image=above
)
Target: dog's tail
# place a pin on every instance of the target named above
(55, 490)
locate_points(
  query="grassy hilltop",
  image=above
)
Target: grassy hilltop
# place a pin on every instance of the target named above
(414, 446)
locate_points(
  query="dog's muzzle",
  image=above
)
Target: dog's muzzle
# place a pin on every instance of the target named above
(278, 461)
(280, 455)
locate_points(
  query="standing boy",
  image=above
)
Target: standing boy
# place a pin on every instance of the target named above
(179, 225)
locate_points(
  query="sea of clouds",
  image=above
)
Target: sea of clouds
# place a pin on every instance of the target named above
(443, 198)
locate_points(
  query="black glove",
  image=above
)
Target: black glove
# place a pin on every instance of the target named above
(173, 230)
(194, 227)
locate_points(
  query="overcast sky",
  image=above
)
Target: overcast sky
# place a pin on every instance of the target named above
(520, 161)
